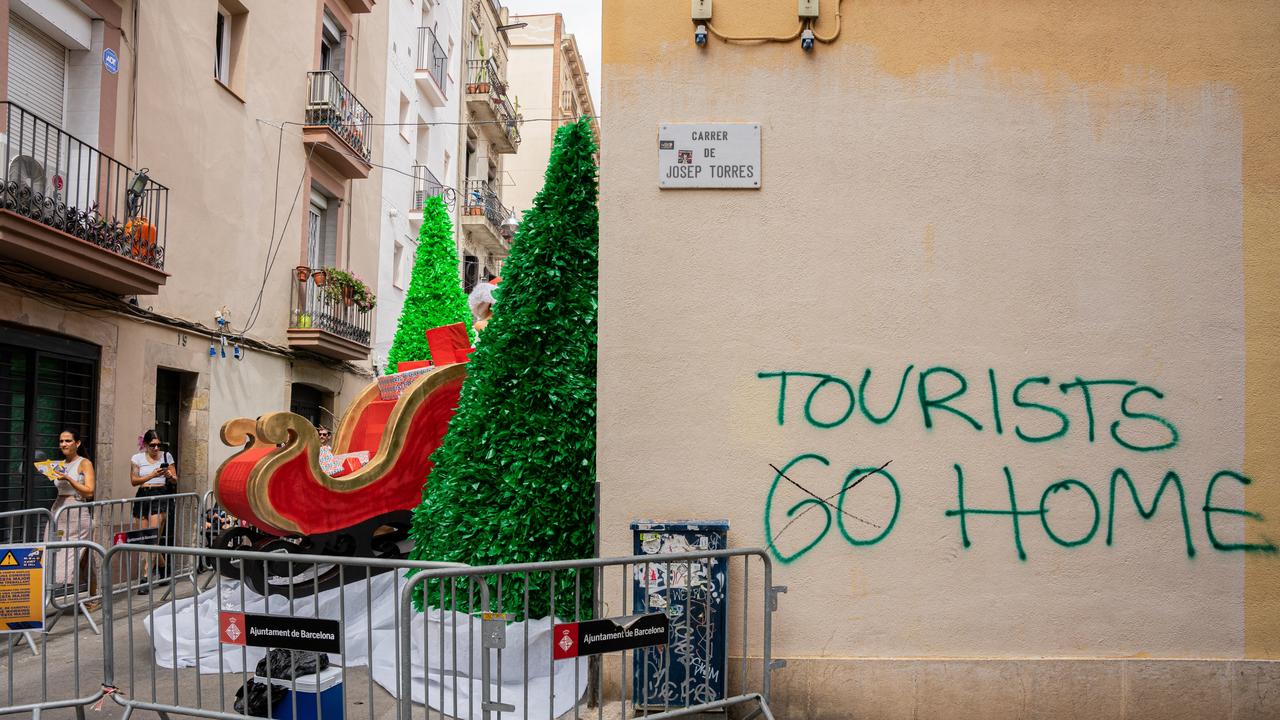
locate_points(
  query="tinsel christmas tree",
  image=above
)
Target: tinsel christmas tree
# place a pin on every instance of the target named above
(514, 480)
(435, 296)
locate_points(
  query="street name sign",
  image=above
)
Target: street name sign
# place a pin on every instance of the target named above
(709, 155)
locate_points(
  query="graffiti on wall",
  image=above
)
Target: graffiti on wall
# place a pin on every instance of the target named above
(1036, 410)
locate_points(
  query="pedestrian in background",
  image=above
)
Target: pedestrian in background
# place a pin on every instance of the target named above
(75, 482)
(481, 301)
(154, 474)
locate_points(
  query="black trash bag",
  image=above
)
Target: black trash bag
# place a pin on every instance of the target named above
(290, 664)
(262, 698)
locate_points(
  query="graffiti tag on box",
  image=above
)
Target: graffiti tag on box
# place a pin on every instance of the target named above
(1038, 410)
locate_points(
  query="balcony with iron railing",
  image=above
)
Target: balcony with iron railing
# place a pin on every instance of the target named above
(433, 67)
(425, 185)
(337, 127)
(490, 108)
(484, 215)
(69, 210)
(326, 321)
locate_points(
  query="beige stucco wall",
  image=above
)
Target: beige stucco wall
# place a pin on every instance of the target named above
(544, 62)
(530, 75)
(1016, 196)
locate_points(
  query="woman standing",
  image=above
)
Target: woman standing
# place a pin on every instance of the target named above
(153, 473)
(75, 484)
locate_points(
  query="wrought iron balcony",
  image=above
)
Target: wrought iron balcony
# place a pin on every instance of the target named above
(68, 209)
(482, 200)
(338, 125)
(490, 108)
(433, 66)
(425, 185)
(325, 324)
(484, 213)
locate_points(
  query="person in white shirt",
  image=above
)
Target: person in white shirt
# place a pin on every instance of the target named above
(481, 301)
(154, 474)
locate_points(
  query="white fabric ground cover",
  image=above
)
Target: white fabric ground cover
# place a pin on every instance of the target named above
(184, 633)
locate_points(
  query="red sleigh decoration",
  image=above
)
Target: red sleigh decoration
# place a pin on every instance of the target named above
(275, 482)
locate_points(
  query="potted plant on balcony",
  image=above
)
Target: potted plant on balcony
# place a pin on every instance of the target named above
(480, 82)
(348, 289)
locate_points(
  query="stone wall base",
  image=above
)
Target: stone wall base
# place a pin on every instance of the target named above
(1012, 689)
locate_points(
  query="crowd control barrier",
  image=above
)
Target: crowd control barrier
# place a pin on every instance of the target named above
(552, 614)
(25, 526)
(161, 520)
(20, 526)
(69, 678)
(576, 638)
(157, 663)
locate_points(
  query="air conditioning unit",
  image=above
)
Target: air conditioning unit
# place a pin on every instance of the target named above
(323, 91)
(26, 171)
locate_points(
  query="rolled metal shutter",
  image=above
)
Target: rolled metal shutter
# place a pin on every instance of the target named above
(37, 70)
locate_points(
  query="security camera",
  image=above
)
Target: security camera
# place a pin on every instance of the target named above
(806, 40)
(700, 35)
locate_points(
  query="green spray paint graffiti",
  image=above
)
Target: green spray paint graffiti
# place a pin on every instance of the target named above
(941, 389)
(854, 475)
(829, 401)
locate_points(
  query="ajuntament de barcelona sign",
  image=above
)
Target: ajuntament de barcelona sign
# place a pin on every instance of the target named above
(709, 155)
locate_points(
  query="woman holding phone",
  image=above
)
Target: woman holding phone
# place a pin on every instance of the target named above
(152, 471)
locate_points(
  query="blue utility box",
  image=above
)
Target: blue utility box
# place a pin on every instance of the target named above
(690, 669)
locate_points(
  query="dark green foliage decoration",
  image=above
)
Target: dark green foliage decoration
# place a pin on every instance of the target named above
(514, 480)
(435, 295)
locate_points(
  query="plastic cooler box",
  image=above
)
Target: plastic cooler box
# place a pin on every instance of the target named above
(318, 696)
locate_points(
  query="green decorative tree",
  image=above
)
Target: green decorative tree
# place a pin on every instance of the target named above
(514, 480)
(435, 296)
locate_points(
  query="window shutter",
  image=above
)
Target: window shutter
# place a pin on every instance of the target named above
(37, 70)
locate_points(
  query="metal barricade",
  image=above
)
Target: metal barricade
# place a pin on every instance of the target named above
(446, 667)
(214, 521)
(75, 680)
(165, 520)
(156, 663)
(25, 526)
(20, 526)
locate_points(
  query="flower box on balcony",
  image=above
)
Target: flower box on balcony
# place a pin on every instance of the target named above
(475, 211)
(346, 288)
(477, 88)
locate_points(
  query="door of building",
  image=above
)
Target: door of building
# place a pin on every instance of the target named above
(306, 401)
(47, 384)
(169, 407)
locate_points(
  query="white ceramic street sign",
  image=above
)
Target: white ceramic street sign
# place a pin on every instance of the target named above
(709, 155)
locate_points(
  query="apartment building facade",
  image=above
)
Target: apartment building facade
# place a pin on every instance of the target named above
(423, 101)
(548, 75)
(179, 179)
(491, 132)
